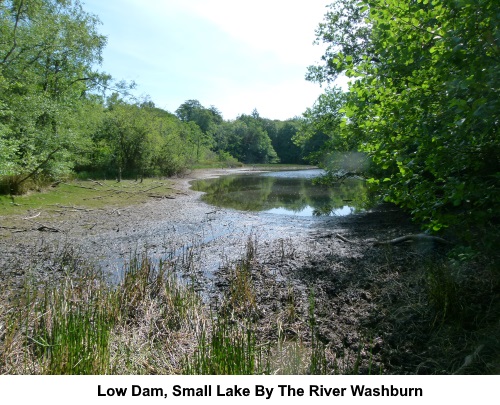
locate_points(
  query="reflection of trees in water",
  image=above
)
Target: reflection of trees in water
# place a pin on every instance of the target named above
(246, 193)
(350, 193)
(261, 193)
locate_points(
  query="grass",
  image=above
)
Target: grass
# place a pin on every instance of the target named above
(241, 340)
(80, 324)
(231, 348)
(153, 322)
(150, 322)
(85, 194)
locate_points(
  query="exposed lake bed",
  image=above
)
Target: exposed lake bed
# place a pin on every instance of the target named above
(369, 300)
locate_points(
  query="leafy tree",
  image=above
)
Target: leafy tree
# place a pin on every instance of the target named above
(282, 141)
(205, 118)
(47, 56)
(141, 139)
(424, 102)
(320, 131)
(249, 142)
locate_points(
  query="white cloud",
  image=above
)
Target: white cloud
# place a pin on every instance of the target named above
(231, 54)
(283, 27)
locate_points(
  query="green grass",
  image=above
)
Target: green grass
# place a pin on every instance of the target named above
(86, 195)
(149, 322)
(81, 324)
(231, 348)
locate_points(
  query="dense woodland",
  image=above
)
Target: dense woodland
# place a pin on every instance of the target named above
(419, 120)
(60, 116)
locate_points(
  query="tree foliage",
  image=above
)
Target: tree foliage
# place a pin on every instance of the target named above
(59, 115)
(423, 102)
(249, 141)
(47, 53)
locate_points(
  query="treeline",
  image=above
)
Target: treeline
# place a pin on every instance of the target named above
(60, 116)
(422, 106)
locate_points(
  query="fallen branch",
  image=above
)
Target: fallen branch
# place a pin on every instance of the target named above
(407, 238)
(73, 208)
(76, 185)
(149, 189)
(9, 227)
(161, 196)
(43, 227)
(421, 237)
(97, 182)
(342, 238)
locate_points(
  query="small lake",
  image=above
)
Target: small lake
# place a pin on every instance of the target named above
(285, 193)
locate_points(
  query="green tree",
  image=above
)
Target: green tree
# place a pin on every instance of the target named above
(141, 139)
(48, 52)
(249, 142)
(205, 118)
(425, 99)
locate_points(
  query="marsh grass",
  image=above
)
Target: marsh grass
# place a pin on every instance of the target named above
(231, 348)
(79, 323)
(150, 322)
(239, 339)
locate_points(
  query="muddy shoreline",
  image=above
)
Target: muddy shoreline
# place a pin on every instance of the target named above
(370, 302)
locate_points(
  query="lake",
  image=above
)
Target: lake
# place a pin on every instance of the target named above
(285, 193)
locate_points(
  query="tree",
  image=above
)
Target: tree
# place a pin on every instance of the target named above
(321, 132)
(205, 118)
(47, 56)
(249, 142)
(425, 99)
(281, 134)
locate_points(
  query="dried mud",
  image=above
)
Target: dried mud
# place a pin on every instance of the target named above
(371, 311)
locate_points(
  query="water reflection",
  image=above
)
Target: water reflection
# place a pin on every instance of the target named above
(286, 193)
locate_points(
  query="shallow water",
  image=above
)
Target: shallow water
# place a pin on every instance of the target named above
(284, 193)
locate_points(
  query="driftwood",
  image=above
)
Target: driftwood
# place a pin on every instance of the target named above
(97, 182)
(41, 228)
(407, 238)
(72, 208)
(161, 196)
(34, 216)
(421, 237)
(8, 227)
(76, 185)
(342, 238)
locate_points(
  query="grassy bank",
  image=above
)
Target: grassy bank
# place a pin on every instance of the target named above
(86, 194)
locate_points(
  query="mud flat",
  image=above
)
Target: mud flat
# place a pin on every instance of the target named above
(371, 304)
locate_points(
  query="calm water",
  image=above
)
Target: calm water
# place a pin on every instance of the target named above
(285, 193)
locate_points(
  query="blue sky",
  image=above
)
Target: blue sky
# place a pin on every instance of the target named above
(235, 55)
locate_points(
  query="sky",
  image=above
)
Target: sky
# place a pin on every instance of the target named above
(235, 55)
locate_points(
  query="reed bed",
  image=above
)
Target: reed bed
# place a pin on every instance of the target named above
(152, 321)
